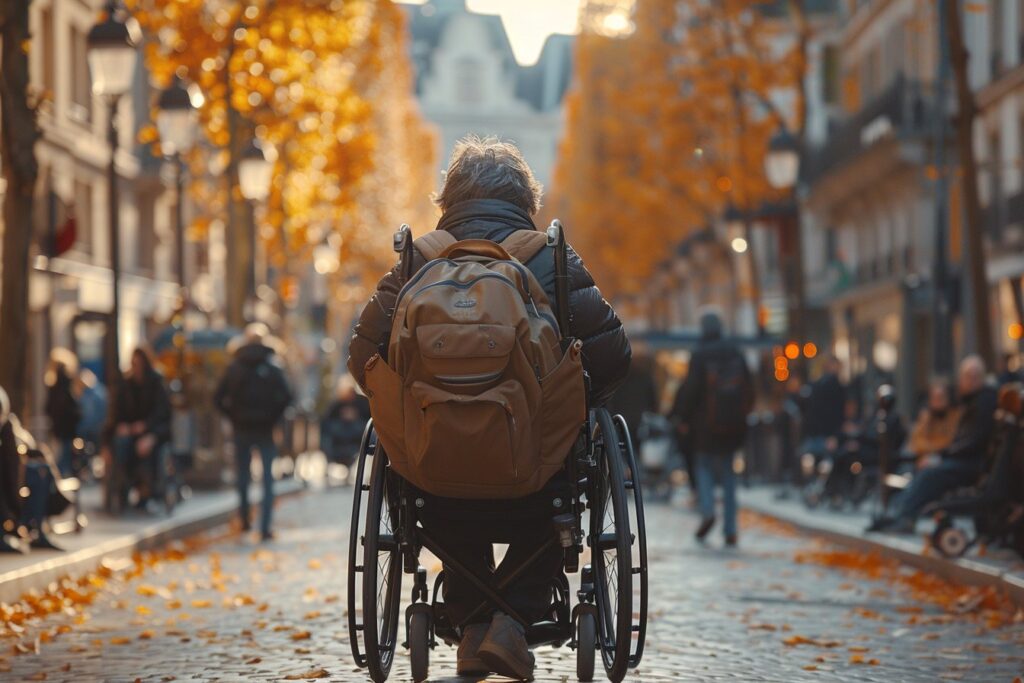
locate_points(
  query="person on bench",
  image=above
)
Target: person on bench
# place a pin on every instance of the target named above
(961, 463)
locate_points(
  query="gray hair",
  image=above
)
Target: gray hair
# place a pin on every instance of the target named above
(488, 168)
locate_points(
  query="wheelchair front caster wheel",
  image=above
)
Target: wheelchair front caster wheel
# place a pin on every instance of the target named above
(419, 646)
(950, 541)
(586, 642)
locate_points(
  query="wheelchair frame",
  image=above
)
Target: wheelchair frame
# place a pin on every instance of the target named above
(385, 542)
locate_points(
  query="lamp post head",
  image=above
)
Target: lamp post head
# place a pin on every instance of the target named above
(782, 162)
(176, 116)
(112, 52)
(255, 168)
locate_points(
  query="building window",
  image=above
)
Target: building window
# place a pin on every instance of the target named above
(81, 83)
(468, 81)
(82, 212)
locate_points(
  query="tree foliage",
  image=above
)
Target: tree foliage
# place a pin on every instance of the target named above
(322, 81)
(668, 124)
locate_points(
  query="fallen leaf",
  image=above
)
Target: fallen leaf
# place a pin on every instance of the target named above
(120, 640)
(312, 615)
(254, 660)
(146, 635)
(315, 564)
(312, 673)
(202, 604)
(301, 635)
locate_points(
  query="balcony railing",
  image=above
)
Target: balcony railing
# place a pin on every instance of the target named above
(903, 109)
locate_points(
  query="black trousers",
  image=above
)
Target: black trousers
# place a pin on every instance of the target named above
(467, 529)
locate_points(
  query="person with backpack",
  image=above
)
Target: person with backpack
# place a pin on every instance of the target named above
(713, 404)
(466, 371)
(254, 395)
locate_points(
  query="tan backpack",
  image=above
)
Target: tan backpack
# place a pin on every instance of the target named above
(477, 398)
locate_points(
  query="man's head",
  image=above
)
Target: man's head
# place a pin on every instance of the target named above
(971, 376)
(711, 326)
(487, 168)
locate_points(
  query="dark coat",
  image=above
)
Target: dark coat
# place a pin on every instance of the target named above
(249, 413)
(606, 352)
(144, 402)
(691, 402)
(10, 473)
(824, 408)
(62, 408)
(977, 424)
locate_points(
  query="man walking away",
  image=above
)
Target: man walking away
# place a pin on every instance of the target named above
(254, 394)
(713, 404)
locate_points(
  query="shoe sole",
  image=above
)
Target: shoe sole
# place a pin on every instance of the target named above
(504, 663)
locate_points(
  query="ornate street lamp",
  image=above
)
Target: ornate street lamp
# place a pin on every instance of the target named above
(177, 121)
(255, 170)
(782, 162)
(113, 57)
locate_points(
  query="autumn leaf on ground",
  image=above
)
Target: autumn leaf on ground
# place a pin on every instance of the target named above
(315, 564)
(312, 673)
(120, 640)
(312, 615)
(301, 635)
(254, 660)
(202, 604)
(146, 635)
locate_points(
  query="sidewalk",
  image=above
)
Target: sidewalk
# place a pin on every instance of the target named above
(108, 537)
(996, 567)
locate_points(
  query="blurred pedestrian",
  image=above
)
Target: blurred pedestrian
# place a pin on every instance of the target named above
(638, 393)
(343, 423)
(62, 406)
(823, 408)
(254, 395)
(141, 422)
(93, 406)
(713, 404)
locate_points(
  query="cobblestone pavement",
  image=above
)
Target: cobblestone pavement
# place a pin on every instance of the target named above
(240, 611)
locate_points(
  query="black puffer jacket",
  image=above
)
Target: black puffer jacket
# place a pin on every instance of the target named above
(606, 352)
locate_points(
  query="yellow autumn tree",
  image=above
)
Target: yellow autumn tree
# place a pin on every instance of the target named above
(666, 125)
(300, 75)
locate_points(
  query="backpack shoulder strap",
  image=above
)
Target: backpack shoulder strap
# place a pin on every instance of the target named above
(433, 243)
(523, 245)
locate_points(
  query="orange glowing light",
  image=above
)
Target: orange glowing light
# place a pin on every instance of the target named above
(781, 363)
(1015, 331)
(810, 350)
(781, 374)
(792, 350)
(724, 184)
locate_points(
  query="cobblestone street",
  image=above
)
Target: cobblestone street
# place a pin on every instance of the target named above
(237, 611)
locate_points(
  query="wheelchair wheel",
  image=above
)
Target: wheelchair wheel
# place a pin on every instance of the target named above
(611, 548)
(638, 523)
(358, 520)
(950, 541)
(586, 641)
(419, 645)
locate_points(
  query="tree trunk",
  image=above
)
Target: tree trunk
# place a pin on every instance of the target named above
(20, 169)
(974, 258)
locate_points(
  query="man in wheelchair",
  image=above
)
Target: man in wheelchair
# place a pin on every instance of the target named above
(140, 424)
(490, 197)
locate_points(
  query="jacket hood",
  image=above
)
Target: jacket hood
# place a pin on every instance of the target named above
(490, 219)
(253, 354)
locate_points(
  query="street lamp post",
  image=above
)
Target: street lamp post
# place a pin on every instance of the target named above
(782, 168)
(255, 169)
(112, 58)
(176, 120)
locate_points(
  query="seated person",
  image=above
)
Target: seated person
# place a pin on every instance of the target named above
(959, 464)
(489, 193)
(141, 421)
(343, 423)
(864, 445)
(935, 427)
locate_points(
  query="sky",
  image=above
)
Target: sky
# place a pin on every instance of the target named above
(527, 22)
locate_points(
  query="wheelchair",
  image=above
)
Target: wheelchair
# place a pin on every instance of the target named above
(605, 517)
(996, 510)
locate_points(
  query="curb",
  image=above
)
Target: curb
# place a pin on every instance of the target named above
(16, 583)
(958, 571)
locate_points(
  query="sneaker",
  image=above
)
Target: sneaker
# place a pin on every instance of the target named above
(469, 662)
(505, 651)
(730, 541)
(267, 536)
(705, 528)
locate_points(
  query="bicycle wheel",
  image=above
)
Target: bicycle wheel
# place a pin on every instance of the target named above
(611, 547)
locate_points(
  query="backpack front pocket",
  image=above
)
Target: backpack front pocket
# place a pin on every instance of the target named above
(468, 443)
